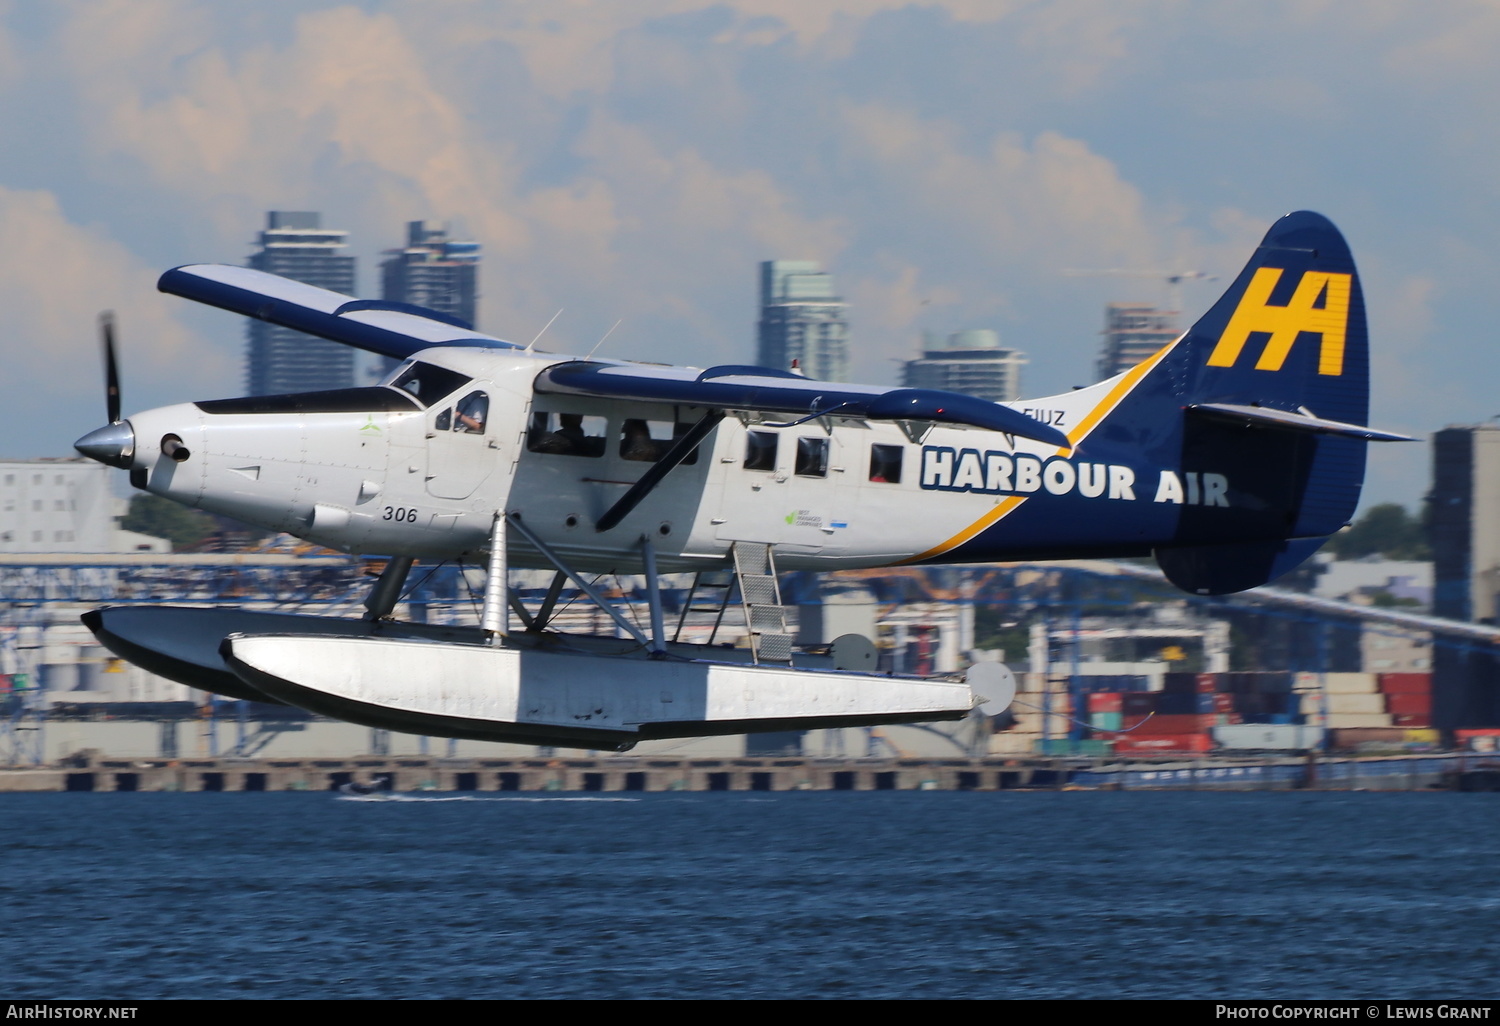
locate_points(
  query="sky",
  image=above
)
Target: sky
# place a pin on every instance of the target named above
(946, 160)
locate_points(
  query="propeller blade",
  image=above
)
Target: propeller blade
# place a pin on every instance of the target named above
(111, 369)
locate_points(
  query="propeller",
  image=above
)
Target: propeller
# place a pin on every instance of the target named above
(114, 443)
(111, 367)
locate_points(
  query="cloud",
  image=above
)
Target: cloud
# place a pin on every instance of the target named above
(55, 277)
(636, 160)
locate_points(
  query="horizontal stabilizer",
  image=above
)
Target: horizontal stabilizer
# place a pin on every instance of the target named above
(1260, 416)
(768, 391)
(391, 329)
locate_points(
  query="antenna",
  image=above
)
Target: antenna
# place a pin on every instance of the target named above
(544, 330)
(599, 343)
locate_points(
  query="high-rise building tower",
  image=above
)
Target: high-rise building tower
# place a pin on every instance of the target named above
(1464, 531)
(294, 245)
(433, 271)
(1133, 332)
(971, 362)
(802, 319)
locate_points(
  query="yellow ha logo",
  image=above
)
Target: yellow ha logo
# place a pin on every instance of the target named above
(1285, 323)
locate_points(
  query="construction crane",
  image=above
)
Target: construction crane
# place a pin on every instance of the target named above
(1174, 279)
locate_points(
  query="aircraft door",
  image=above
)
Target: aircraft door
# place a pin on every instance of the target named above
(784, 491)
(462, 449)
(815, 518)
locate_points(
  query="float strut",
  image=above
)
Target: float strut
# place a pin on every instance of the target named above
(492, 620)
(653, 596)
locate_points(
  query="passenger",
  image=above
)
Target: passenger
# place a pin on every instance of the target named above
(568, 440)
(636, 442)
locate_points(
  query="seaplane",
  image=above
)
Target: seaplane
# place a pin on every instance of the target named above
(1229, 456)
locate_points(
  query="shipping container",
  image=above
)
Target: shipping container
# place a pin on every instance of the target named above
(1193, 723)
(1351, 683)
(1179, 683)
(1092, 747)
(1294, 737)
(1354, 737)
(1161, 744)
(1105, 720)
(1013, 742)
(1408, 704)
(1406, 683)
(1359, 720)
(1105, 701)
(1178, 704)
(1339, 704)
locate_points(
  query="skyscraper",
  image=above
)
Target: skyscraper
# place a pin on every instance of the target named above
(802, 319)
(294, 245)
(433, 271)
(1465, 534)
(1132, 332)
(972, 362)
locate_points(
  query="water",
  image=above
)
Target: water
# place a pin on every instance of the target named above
(803, 894)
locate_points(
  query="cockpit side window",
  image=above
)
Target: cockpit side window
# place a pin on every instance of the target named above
(429, 383)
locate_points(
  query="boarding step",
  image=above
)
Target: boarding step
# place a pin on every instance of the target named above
(760, 598)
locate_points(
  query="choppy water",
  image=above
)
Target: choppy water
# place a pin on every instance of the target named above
(805, 894)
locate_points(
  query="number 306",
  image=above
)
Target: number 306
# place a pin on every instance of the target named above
(403, 516)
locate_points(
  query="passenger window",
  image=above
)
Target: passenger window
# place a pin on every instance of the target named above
(812, 457)
(471, 412)
(650, 440)
(885, 463)
(760, 450)
(566, 434)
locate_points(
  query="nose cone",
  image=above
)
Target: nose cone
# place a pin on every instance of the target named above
(113, 444)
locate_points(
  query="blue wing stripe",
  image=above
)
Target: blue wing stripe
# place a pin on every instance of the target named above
(772, 393)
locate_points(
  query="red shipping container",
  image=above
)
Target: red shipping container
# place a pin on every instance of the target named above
(1152, 744)
(1104, 701)
(1411, 720)
(1224, 703)
(1208, 683)
(1138, 703)
(1405, 683)
(1408, 705)
(1181, 723)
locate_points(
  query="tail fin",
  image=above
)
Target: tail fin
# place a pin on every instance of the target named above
(1274, 381)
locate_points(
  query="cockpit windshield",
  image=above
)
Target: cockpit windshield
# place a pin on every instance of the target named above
(429, 383)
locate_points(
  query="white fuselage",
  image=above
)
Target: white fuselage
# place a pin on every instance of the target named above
(416, 482)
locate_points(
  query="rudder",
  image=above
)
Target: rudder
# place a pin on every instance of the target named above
(1274, 380)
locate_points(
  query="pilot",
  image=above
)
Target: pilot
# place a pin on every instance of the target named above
(471, 412)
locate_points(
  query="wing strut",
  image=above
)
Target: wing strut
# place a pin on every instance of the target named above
(658, 470)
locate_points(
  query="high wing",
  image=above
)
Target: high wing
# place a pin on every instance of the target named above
(391, 329)
(400, 329)
(770, 391)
